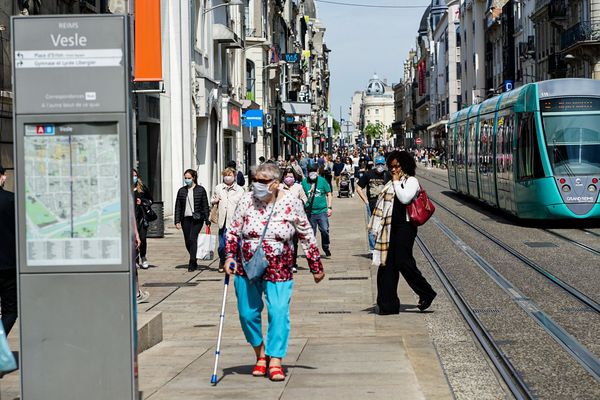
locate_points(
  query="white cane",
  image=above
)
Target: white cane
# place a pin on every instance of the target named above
(213, 379)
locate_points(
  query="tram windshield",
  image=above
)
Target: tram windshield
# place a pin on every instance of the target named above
(573, 142)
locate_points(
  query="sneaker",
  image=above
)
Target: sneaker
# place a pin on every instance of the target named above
(294, 270)
(142, 297)
(327, 252)
(144, 264)
(221, 269)
(192, 267)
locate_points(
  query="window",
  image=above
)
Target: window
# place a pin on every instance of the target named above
(458, 71)
(250, 81)
(530, 164)
(377, 111)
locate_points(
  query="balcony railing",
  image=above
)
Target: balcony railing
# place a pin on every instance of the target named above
(585, 31)
(557, 10)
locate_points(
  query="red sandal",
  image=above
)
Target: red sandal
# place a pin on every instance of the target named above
(260, 370)
(276, 373)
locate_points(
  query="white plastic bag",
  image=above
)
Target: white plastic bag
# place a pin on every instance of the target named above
(206, 245)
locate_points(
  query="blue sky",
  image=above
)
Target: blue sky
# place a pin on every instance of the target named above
(364, 41)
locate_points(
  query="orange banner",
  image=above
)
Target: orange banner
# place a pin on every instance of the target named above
(148, 60)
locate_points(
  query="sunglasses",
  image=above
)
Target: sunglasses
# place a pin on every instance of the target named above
(265, 181)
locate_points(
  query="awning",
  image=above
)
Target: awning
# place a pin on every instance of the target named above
(296, 108)
(437, 125)
(284, 133)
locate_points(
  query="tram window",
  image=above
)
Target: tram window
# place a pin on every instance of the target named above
(530, 163)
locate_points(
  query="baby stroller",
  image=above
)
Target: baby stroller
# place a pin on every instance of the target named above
(344, 185)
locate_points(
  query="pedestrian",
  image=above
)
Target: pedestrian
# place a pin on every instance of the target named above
(8, 256)
(318, 206)
(296, 167)
(349, 169)
(370, 185)
(338, 167)
(191, 212)
(226, 196)
(303, 164)
(143, 200)
(251, 220)
(239, 175)
(290, 184)
(395, 237)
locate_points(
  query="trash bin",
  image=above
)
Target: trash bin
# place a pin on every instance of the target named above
(156, 229)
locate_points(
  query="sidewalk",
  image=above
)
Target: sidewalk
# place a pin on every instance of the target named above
(338, 347)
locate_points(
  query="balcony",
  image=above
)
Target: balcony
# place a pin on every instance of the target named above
(585, 33)
(557, 67)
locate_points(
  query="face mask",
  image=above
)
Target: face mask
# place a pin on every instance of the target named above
(228, 180)
(135, 180)
(188, 182)
(379, 169)
(313, 176)
(289, 180)
(261, 190)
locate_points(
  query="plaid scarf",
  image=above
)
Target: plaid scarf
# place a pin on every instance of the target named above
(380, 223)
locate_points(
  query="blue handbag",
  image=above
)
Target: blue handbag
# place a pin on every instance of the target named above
(7, 359)
(255, 268)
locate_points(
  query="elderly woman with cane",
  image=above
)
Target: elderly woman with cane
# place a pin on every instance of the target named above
(266, 220)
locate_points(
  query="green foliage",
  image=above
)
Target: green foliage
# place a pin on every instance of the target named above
(374, 131)
(336, 127)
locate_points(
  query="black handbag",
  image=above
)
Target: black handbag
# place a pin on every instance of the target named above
(149, 214)
(309, 206)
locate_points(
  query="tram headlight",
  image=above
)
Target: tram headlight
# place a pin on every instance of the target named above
(592, 188)
(566, 188)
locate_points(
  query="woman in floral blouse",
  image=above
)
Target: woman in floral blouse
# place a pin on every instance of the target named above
(246, 228)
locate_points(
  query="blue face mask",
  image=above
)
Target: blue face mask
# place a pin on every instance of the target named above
(188, 182)
(135, 180)
(261, 190)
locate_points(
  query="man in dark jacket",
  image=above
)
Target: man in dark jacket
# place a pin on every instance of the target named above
(8, 257)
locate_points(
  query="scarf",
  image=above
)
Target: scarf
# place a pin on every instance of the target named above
(381, 222)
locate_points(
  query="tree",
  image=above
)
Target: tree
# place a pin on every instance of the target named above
(336, 127)
(374, 131)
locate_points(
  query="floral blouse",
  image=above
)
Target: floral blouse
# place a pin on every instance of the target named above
(288, 218)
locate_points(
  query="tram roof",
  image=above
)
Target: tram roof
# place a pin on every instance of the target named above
(569, 87)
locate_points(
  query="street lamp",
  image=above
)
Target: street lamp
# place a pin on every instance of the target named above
(227, 3)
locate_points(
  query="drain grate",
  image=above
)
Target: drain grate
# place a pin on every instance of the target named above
(486, 311)
(169, 284)
(349, 278)
(576, 309)
(540, 244)
(335, 312)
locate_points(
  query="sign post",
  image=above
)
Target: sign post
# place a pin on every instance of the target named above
(72, 140)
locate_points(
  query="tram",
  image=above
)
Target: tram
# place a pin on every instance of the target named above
(533, 152)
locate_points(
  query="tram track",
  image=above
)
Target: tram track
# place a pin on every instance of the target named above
(510, 375)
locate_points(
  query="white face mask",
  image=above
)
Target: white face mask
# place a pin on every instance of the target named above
(228, 179)
(261, 190)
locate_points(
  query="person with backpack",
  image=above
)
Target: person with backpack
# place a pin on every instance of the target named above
(318, 206)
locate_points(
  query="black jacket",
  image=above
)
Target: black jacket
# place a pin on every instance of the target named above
(144, 196)
(8, 242)
(200, 203)
(240, 179)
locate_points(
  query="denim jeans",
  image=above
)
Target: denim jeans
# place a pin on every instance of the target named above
(323, 222)
(371, 236)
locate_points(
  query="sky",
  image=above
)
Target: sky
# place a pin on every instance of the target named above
(364, 41)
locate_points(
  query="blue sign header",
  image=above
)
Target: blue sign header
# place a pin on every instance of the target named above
(253, 119)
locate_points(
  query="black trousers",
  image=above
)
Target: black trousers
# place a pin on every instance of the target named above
(144, 243)
(191, 230)
(8, 298)
(400, 260)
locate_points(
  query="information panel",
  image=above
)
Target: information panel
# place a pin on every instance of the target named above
(73, 196)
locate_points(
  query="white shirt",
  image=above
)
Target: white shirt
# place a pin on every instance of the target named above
(228, 198)
(189, 203)
(406, 190)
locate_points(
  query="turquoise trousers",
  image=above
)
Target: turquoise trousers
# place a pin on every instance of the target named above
(250, 305)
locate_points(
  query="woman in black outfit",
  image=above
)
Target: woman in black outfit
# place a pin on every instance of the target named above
(191, 211)
(402, 239)
(143, 198)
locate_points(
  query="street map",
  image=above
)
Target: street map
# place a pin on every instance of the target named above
(73, 200)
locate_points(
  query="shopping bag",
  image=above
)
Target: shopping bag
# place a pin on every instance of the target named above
(206, 245)
(7, 359)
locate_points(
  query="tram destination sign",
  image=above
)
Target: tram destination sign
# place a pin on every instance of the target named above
(570, 104)
(69, 65)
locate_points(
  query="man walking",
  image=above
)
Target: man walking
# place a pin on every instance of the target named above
(372, 181)
(318, 206)
(8, 257)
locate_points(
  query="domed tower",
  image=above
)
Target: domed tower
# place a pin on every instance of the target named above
(376, 87)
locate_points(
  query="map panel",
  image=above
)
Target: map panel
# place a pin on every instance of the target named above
(73, 199)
